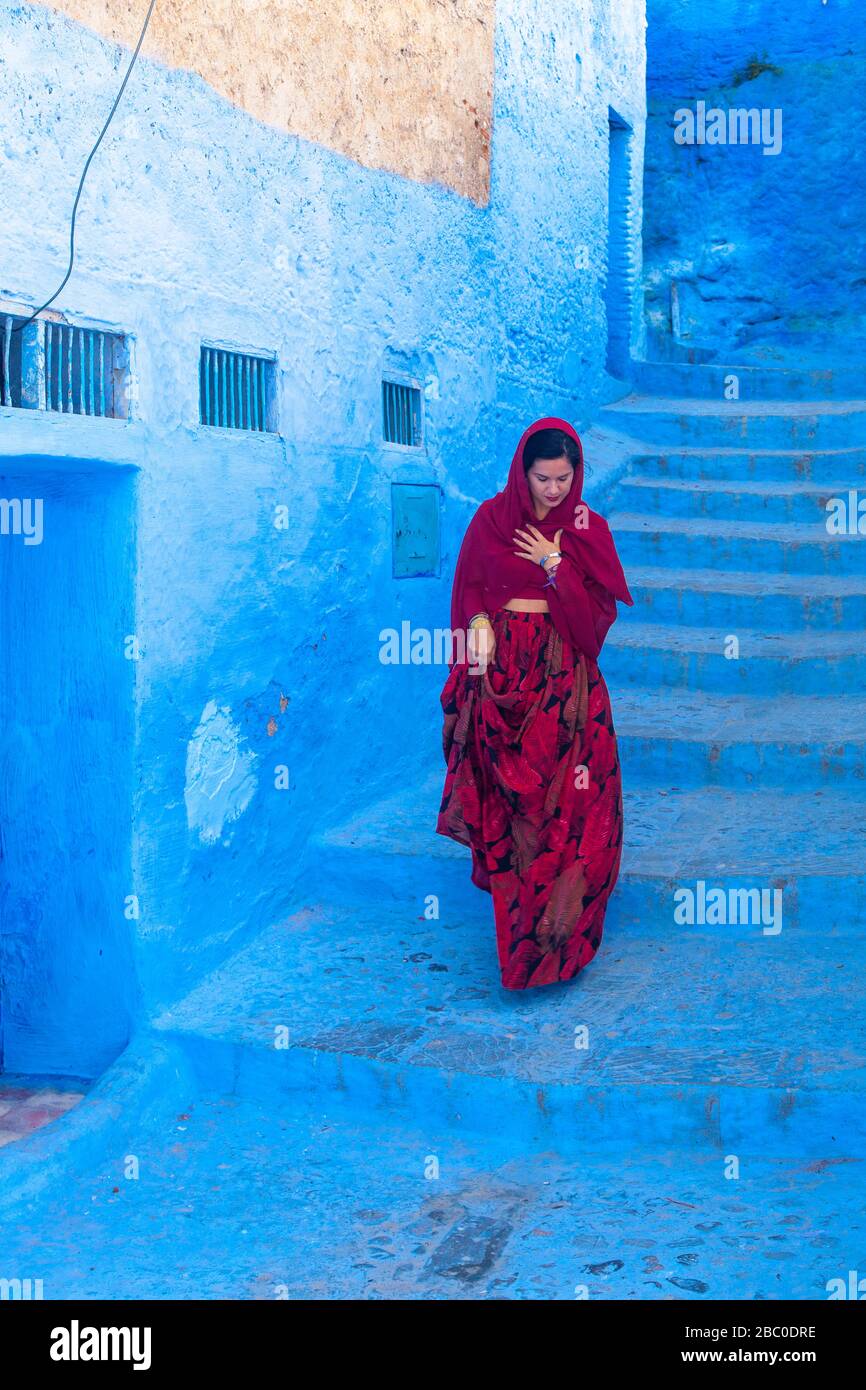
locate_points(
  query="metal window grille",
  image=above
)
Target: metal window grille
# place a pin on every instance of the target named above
(235, 389)
(401, 414)
(11, 375)
(84, 371)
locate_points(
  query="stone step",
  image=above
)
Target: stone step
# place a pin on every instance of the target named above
(755, 465)
(710, 381)
(660, 656)
(705, 1041)
(315, 1204)
(732, 599)
(720, 499)
(746, 425)
(807, 842)
(679, 739)
(756, 547)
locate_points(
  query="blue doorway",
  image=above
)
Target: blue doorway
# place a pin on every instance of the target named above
(67, 687)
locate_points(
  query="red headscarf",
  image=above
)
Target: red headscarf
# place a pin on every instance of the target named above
(589, 579)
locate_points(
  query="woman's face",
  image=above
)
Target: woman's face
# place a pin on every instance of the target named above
(549, 481)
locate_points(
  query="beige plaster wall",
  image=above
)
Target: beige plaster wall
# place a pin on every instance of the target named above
(405, 85)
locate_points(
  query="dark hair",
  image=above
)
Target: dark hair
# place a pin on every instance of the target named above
(550, 444)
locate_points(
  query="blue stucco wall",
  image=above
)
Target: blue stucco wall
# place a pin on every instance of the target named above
(764, 249)
(258, 647)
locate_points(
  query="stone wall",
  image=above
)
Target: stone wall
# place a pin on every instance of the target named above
(762, 248)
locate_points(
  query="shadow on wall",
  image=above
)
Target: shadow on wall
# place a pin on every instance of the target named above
(66, 679)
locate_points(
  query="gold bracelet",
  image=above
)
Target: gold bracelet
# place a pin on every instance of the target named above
(483, 618)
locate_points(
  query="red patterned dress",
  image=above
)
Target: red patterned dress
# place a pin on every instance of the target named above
(533, 788)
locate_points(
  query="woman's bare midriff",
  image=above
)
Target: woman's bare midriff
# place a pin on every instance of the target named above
(527, 605)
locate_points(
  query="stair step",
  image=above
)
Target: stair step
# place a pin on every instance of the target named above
(711, 380)
(813, 425)
(755, 464)
(731, 598)
(736, 837)
(747, 501)
(316, 1206)
(678, 739)
(758, 547)
(694, 1043)
(658, 655)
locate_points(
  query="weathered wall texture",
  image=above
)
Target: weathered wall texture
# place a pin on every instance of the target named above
(406, 87)
(764, 249)
(259, 647)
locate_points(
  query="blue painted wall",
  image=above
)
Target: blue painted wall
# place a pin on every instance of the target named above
(258, 644)
(764, 250)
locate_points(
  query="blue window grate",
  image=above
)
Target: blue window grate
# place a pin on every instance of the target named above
(11, 375)
(85, 369)
(235, 389)
(401, 414)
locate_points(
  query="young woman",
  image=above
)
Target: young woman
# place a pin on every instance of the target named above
(533, 781)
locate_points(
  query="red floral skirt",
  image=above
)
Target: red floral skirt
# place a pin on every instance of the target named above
(533, 788)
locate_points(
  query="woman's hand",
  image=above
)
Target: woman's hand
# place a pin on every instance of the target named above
(480, 647)
(534, 546)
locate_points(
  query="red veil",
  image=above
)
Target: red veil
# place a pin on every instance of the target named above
(589, 579)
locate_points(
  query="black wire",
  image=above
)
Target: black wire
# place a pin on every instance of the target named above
(19, 326)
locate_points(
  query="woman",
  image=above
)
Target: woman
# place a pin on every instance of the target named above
(533, 781)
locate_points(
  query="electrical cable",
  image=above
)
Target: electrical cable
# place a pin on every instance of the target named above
(17, 328)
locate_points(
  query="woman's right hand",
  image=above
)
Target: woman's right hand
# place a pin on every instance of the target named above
(480, 647)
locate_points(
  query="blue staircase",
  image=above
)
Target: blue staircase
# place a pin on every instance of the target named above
(744, 773)
(757, 751)
(743, 767)
(584, 1136)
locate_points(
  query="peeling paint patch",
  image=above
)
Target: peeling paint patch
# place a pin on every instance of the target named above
(220, 781)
